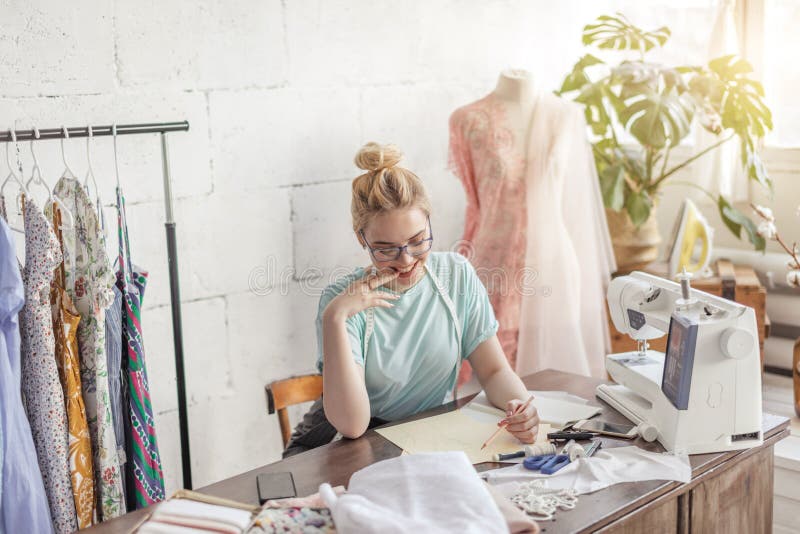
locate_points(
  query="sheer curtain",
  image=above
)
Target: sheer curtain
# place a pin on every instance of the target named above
(720, 170)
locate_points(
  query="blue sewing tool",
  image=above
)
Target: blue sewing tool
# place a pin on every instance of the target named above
(546, 463)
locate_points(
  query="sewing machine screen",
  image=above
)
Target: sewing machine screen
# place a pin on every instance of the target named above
(679, 361)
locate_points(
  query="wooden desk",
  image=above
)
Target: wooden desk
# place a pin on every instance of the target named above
(729, 492)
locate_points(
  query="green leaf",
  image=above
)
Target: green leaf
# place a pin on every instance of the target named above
(735, 220)
(755, 167)
(730, 66)
(658, 119)
(727, 87)
(617, 33)
(686, 69)
(639, 206)
(617, 103)
(576, 79)
(636, 73)
(612, 184)
(755, 84)
(592, 97)
(633, 156)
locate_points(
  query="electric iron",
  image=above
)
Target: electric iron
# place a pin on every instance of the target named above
(691, 242)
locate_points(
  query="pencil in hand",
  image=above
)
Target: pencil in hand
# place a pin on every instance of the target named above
(520, 408)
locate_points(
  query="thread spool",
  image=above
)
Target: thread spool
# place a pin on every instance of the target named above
(685, 279)
(647, 431)
(685, 287)
(528, 450)
(574, 450)
(540, 449)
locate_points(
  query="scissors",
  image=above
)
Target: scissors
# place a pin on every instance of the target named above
(546, 463)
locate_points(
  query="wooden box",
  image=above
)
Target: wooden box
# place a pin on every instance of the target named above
(735, 282)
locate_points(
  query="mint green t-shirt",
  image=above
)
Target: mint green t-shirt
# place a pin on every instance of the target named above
(410, 362)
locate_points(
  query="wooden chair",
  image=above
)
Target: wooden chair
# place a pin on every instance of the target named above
(288, 392)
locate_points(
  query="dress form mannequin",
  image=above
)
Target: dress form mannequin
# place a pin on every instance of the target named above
(516, 87)
(535, 228)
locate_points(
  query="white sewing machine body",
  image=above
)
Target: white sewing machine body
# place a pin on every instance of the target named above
(704, 394)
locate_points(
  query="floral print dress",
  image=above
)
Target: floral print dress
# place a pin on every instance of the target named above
(65, 328)
(41, 387)
(23, 501)
(490, 163)
(89, 284)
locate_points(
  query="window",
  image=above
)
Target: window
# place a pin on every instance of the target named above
(781, 70)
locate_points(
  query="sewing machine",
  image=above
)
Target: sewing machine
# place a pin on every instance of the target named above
(702, 395)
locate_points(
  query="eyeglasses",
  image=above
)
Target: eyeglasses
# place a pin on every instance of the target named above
(417, 248)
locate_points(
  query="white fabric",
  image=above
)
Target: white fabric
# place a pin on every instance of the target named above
(175, 509)
(569, 253)
(720, 170)
(152, 527)
(606, 468)
(431, 493)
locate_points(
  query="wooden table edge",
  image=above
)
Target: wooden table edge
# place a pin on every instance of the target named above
(672, 489)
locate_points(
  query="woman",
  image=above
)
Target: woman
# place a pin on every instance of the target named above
(392, 336)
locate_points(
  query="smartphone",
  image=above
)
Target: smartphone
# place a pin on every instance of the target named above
(275, 486)
(618, 430)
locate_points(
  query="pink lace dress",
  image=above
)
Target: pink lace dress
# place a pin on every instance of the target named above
(536, 232)
(490, 163)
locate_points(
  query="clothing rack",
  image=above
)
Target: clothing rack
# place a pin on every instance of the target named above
(172, 249)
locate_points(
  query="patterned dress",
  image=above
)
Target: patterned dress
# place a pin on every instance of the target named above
(89, 284)
(115, 378)
(490, 163)
(536, 230)
(41, 387)
(65, 327)
(23, 501)
(145, 480)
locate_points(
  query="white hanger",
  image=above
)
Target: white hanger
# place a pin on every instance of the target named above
(36, 173)
(67, 222)
(90, 174)
(116, 161)
(89, 170)
(13, 175)
(67, 171)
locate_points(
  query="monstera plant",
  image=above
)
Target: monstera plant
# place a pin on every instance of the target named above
(656, 105)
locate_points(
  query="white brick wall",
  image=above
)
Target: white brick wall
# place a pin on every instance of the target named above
(279, 96)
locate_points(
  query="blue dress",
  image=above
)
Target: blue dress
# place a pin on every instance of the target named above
(23, 502)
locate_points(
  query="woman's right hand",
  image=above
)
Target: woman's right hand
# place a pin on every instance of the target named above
(362, 294)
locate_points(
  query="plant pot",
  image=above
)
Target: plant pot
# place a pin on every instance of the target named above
(634, 248)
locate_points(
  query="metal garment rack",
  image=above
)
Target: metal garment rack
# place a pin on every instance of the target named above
(172, 249)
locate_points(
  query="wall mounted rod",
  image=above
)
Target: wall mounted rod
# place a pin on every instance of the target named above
(97, 131)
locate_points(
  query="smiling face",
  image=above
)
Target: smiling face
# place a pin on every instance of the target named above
(396, 228)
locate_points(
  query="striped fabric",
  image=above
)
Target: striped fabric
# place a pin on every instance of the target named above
(144, 478)
(115, 378)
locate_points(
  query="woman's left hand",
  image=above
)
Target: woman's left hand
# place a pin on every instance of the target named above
(523, 425)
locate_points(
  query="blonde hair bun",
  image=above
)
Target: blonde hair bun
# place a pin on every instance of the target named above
(385, 185)
(375, 157)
